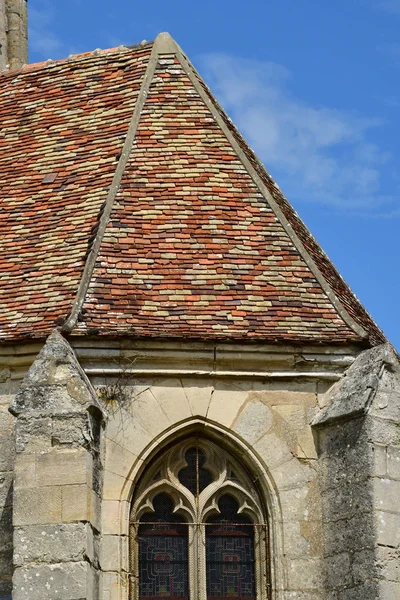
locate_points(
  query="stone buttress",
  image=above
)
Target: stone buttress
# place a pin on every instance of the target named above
(57, 479)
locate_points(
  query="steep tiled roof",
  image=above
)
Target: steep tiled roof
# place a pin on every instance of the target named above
(132, 206)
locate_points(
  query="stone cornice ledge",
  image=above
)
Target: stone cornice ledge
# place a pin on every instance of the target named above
(171, 358)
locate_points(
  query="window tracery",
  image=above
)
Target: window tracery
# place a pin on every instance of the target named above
(198, 530)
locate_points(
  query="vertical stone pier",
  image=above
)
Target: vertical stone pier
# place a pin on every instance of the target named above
(13, 34)
(58, 479)
(359, 456)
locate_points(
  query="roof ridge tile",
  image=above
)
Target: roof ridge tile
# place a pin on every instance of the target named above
(80, 56)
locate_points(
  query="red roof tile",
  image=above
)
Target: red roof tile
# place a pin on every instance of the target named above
(132, 206)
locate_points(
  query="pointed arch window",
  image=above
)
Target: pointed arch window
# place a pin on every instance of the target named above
(198, 529)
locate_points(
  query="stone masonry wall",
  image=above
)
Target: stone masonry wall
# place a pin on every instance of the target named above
(57, 480)
(383, 426)
(331, 490)
(266, 424)
(359, 474)
(346, 463)
(7, 390)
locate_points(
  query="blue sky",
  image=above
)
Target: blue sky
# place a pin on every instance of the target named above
(313, 86)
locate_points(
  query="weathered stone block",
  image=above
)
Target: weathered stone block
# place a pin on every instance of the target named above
(66, 581)
(34, 506)
(33, 435)
(388, 563)
(347, 501)
(199, 394)
(363, 565)
(338, 571)
(55, 384)
(113, 486)
(6, 480)
(350, 466)
(122, 429)
(6, 451)
(65, 467)
(6, 419)
(111, 549)
(6, 523)
(254, 420)
(305, 574)
(379, 466)
(80, 503)
(393, 462)
(113, 585)
(110, 517)
(119, 460)
(76, 503)
(171, 396)
(25, 471)
(225, 403)
(384, 432)
(386, 495)
(292, 474)
(143, 407)
(349, 534)
(366, 591)
(302, 596)
(387, 529)
(52, 543)
(350, 435)
(387, 590)
(69, 432)
(351, 396)
(273, 450)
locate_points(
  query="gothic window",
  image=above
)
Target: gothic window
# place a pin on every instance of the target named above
(198, 531)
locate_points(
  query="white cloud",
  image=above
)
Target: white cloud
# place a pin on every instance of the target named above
(316, 153)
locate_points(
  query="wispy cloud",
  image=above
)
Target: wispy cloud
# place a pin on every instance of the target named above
(316, 153)
(42, 38)
(392, 6)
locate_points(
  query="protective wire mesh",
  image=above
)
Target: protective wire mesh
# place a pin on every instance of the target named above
(230, 554)
(165, 569)
(163, 553)
(194, 476)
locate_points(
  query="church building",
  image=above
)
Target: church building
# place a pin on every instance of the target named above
(193, 403)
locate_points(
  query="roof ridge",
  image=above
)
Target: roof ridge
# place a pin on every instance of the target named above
(105, 210)
(80, 56)
(219, 114)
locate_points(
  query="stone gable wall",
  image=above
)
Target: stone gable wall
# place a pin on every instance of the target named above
(326, 456)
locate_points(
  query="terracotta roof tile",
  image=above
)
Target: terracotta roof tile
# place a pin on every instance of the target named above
(191, 240)
(62, 127)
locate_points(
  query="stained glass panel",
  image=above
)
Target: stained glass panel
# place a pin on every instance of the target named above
(205, 477)
(230, 554)
(163, 553)
(194, 476)
(188, 475)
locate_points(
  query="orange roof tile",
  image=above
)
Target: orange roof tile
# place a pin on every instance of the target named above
(132, 206)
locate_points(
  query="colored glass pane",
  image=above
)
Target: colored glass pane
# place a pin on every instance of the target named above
(194, 476)
(230, 554)
(163, 553)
